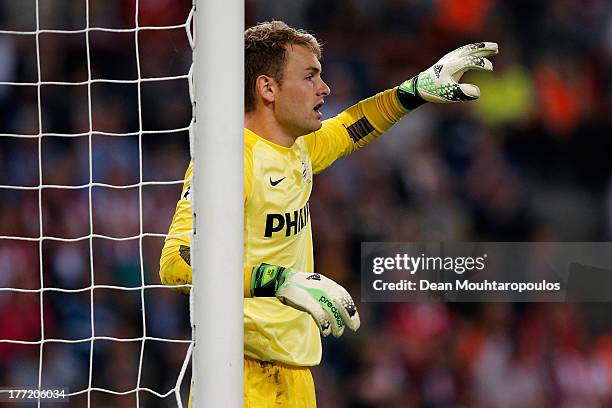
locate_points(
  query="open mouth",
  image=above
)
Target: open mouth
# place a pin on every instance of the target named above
(318, 107)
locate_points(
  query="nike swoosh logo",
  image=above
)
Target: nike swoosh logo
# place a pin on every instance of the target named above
(274, 183)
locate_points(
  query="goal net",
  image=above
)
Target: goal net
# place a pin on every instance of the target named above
(95, 119)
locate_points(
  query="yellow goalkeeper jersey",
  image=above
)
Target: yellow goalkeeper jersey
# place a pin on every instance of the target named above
(277, 228)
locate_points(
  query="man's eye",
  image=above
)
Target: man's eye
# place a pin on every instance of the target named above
(309, 77)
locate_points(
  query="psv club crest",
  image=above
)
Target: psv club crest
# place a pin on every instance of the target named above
(306, 172)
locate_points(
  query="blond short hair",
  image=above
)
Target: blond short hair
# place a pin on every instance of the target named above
(265, 54)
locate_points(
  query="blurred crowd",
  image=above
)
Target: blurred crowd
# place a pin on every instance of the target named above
(529, 161)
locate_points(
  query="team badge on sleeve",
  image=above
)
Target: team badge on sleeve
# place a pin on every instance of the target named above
(186, 195)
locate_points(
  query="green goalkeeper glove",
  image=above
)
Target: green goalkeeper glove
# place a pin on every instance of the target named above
(440, 84)
(328, 303)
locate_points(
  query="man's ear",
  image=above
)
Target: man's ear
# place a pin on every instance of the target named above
(266, 88)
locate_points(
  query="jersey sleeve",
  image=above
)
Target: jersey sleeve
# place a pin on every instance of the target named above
(175, 262)
(248, 169)
(352, 129)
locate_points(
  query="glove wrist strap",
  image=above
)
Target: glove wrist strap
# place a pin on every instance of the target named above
(408, 95)
(266, 279)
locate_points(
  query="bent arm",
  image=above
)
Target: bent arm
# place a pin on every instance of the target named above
(175, 262)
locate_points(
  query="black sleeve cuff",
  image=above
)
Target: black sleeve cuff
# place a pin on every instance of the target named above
(408, 96)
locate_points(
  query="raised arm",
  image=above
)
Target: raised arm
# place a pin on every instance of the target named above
(362, 123)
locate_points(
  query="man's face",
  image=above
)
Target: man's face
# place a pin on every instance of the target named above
(301, 94)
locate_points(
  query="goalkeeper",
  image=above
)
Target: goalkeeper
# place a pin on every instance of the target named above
(287, 305)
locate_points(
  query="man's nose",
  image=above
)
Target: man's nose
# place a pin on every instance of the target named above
(324, 89)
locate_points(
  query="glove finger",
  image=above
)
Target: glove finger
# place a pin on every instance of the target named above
(485, 49)
(481, 49)
(301, 300)
(349, 313)
(469, 91)
(468, 63)
(345, 306)
(477, 63)
(335, 314)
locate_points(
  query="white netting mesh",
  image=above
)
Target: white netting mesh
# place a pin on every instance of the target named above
(96, 111)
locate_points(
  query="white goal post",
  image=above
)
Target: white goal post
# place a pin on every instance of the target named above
(218, 207)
